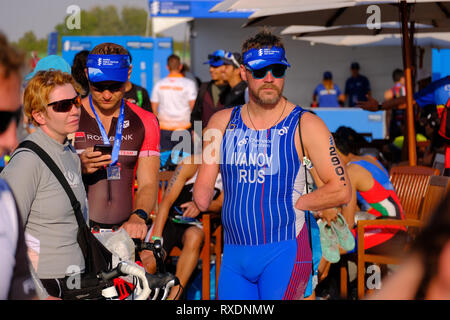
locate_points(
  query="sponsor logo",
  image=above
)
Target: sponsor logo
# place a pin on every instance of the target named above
(283, 131)
(72, 178)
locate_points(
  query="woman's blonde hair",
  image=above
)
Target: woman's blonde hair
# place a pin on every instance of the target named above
(38, 90)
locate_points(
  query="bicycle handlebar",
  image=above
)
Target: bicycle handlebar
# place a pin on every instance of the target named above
(149, 282)
(156, 248)
(125, 268)
(162, 280)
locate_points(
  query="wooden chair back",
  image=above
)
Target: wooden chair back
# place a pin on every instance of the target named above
(419, 189)
(438, 189)
(411, 183)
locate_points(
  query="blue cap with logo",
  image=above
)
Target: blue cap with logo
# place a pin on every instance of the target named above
(108, 67)
(52, 62)
(259, 58)
(216, 59)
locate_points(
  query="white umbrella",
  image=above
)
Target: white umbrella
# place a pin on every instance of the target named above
(434, 40)
(359, 29)
(250, 5)
(339, 13)
(436, 13)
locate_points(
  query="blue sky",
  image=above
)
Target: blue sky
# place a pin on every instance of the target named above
(40, 16)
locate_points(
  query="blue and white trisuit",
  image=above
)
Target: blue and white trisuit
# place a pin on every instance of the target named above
(266, 244)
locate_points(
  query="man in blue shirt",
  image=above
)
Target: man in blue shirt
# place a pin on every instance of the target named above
(357, 86)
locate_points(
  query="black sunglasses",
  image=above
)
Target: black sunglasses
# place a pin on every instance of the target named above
(277, 70)
(112, 87)
(66, 104)
(7, 116)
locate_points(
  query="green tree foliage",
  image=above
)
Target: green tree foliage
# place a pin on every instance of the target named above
(29, 42)
(97, 21)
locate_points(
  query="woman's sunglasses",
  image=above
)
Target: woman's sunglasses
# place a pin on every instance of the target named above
(111, 87)
(7, 116)
(66, 104)
(277, 70)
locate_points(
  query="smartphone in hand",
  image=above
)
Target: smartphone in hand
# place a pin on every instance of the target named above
(104, 148)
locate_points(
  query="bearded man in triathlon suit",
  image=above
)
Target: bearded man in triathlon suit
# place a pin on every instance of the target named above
(133, 135)
(267, 253)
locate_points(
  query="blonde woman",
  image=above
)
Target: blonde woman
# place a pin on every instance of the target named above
(52, 103)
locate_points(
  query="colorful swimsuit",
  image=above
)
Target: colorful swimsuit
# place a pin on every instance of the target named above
(266, 252)
(383, 202)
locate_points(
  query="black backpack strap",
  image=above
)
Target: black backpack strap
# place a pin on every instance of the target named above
(58, 174)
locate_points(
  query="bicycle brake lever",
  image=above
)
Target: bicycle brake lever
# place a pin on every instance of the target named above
(156, 294)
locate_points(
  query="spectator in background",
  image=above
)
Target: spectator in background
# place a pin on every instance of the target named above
(357, 87)
(232, 75)
(186, 71)
(15, 276)
(48, 63)
(189, 238)
(79, 72)
(328, 94)
(395, 118)
(172, 101)
(136, 94)
(210, 93)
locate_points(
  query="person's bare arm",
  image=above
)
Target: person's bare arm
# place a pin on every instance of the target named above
(349, 210)
(155, 108)
(216, 205)
(183, 172)
(207, 175)
(373, 105)
(191, 104)
(145, 197)
(327, 214)
(319, 147)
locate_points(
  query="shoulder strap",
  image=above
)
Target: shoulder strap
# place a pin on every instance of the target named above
(301, 145)
(58, 174)
(307, 216)
(235, 109)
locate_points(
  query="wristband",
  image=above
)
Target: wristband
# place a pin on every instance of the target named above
(154, 238)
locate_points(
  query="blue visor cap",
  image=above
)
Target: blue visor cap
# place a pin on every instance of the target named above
(216, 59)
(259, 58)
(108, 67)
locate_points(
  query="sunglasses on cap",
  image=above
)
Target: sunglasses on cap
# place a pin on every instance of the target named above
(111, 87)
(7, 116)
(66, 104)
(277, 70)
(230, 56)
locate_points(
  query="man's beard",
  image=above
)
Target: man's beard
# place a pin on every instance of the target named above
(271, 100)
